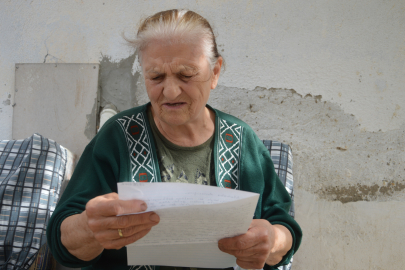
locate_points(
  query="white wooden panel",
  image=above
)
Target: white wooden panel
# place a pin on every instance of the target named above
(58, 101)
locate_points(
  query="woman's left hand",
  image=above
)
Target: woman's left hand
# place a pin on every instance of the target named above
(262, 243)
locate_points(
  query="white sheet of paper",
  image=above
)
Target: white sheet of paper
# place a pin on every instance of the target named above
(192, 220)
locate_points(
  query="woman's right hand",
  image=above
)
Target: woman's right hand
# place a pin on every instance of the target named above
(86, 235)
(103, 221)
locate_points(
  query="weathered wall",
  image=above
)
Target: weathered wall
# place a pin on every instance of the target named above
(327, 77)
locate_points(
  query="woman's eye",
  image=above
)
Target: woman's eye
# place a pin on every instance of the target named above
(157, 78)
(186, 76)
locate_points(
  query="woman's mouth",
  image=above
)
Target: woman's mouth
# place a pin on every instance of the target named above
(174, 104)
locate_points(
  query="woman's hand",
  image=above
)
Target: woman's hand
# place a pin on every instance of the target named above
(97, 228)
(102, 220)
(262, 243)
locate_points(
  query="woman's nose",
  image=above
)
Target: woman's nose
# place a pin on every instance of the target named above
(171, 88)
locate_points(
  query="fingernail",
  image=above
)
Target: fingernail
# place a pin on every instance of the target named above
(154, 218)
(143, 207)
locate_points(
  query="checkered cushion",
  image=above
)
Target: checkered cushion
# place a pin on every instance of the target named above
(281, 156)
(31, 172)
(44, 260)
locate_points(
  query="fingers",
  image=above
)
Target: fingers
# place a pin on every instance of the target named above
(123, 222)
(110, 205)
(254, 236)
(113, 234)
(251, 252)
(133, 228)
(250, 258)
(236, 243)
(251, 249)
(121, 242)
(104, 223)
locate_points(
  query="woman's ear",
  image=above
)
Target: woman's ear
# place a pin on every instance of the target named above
(216, 72)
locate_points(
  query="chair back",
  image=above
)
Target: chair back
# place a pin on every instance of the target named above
(281, 155)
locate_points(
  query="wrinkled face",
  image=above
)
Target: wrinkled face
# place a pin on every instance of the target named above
(178, 81)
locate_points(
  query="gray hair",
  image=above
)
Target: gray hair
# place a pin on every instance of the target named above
(177, 26)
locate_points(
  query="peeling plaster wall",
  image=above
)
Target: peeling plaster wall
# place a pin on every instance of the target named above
(326, 77)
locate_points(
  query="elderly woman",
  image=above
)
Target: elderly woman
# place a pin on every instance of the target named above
(175, 137)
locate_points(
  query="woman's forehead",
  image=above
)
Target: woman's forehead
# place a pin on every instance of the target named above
(176, 56)
(161, 65)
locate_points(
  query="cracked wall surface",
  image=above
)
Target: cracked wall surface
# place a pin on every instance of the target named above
(342, 162)
(349, 183)
(117, 83)
(326, 77)
(338, 160)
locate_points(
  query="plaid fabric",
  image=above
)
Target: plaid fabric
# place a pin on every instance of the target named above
(31, 172)
(281, 155)
(44, 260)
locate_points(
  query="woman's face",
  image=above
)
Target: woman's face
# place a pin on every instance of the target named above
(178, 81)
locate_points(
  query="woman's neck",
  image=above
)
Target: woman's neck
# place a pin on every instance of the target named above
(190, 134)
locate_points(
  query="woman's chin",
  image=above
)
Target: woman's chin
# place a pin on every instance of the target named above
(175, 120)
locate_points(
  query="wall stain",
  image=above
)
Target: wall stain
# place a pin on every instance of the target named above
(6, 102)
(91, 125)
(118, 84)
(355, 193)
(334, 157)
(341, 148)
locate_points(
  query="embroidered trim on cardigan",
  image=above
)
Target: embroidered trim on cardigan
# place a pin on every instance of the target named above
(229, 149)
(139, 147)
(142, 267)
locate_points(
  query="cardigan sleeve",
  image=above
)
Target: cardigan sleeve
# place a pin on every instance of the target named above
(258, 175)
(101, 165)
(276, 204)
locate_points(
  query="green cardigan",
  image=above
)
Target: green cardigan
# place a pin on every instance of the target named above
(124, 151)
